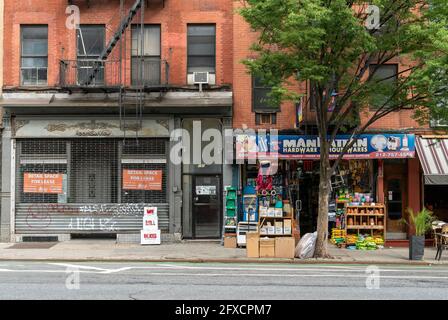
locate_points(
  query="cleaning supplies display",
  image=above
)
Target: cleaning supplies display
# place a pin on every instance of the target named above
(356, 198)
(364, 242)
(250, 207)
(338, 237)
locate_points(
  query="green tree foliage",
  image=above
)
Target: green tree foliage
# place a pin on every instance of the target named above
(327, 44)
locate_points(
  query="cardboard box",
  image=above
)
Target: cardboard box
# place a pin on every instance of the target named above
(267, 248)
(271, 212)
(263, 211)
(263, 230)
(285, 247)
(150, 237)
(150, 222)
(278, 227)
(271, 230)
(229, 242)
(253, 245)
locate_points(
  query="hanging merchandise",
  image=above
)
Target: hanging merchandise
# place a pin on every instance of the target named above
(264, 178)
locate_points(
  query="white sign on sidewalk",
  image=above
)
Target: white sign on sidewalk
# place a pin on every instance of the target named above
(150, 237)
(150, 233)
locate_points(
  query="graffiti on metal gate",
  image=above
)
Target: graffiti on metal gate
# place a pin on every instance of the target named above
(84, 217)
(118, 209)
(37, 218)
(92, 224)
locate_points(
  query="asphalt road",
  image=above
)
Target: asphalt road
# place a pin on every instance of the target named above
(42, 280)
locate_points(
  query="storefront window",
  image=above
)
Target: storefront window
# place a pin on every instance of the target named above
(355, 175)
(42, 171)
(90, 171)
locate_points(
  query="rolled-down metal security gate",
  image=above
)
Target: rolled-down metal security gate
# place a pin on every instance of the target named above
(85, 218)
(79, 185)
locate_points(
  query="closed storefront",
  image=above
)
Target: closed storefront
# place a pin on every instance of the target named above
(89, 184)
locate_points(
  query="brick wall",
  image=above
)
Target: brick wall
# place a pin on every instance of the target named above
(243, 114)
(242, 81)
(173, 19)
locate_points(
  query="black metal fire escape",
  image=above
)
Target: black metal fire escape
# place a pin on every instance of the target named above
(124, 24)
(134, 98)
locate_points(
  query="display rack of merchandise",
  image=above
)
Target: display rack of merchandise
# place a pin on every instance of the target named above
(338, 237)
(276, 218)
(230, 218)
(366, 219)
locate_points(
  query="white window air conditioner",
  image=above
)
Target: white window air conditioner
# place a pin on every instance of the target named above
(200, 77)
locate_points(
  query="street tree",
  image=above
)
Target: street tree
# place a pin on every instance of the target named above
(338, 47)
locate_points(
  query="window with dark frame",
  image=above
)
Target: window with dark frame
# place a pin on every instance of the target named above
(34, 55)
(90, 40)
(387, 77)
(146, 72)
(201, 48)
(265, 118)
(265, 113)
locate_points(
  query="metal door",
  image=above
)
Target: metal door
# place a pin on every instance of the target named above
(207, 217)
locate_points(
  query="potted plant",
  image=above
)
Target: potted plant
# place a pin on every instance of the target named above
(421, 222)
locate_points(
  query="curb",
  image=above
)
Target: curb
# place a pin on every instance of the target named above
(229, 261)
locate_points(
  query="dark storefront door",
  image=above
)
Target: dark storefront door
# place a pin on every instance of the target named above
(395, 187)
(206, 206)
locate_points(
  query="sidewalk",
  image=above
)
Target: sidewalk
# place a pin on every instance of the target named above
(191, 251)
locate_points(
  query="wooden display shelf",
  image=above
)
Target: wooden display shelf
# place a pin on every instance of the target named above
(366, 206)
(366, 227)
(265, 217)
(359, 217)
(365, 214)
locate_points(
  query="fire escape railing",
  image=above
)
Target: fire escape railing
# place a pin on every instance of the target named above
(77, 73)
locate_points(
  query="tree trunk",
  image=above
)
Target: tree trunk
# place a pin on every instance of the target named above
(324, 193)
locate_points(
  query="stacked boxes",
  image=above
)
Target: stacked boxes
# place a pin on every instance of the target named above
(279, 247)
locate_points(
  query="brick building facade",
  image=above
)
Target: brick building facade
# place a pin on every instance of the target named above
(89, 123)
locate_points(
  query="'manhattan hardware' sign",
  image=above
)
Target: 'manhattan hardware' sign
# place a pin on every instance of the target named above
(366, 146)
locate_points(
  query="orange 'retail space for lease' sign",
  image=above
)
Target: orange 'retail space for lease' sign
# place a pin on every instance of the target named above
(43, 183)
(142, 179)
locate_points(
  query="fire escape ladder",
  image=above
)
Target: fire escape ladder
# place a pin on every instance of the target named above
(113, 42)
